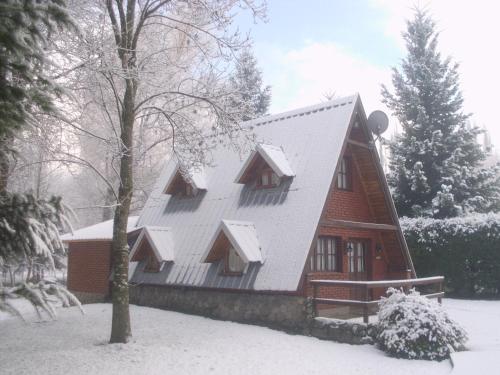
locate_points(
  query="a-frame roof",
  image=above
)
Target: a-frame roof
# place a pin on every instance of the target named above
(285, 217)
(243, 238)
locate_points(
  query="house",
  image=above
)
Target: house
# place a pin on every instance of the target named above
(89, 260)
(242, 238)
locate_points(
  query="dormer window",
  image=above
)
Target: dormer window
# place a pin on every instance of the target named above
(185, 183)
(344, 176)
(266, 166)
(235, 243)
(154, 247)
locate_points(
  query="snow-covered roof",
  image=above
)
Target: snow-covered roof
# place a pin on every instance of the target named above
(285, 217)
(99, 231)
(243, 238)
(194, 176)
(197, 177)
(273, 156)
(161, 241)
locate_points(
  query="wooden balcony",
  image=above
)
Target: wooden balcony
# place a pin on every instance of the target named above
(364, 288)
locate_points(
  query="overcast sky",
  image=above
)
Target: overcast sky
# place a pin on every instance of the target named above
(309, 48)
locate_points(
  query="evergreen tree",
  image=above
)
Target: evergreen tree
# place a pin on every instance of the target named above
(247, 85)
(29, 227)
(436, 165)
(24, 84)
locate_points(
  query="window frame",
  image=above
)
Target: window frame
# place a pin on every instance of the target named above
(269, 173)
(329, 258)
(152, 264)
(345, 174)
(356, 258)
(227, 270)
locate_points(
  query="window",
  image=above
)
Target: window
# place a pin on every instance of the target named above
(189, 191)
(234, 264)
(152, 264)
(325, 256)
(356, 253)
(344, 174)
(267, 178)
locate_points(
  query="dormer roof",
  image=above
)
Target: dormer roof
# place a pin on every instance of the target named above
(243, 238)
(161, 241)
(194, 176)
(273, 156)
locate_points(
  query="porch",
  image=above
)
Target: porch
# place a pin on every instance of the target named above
(364, 294)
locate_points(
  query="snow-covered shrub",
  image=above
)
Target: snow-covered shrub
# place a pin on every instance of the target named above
(466, 250)
(415, 327)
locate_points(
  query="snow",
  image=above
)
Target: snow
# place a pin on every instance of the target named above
(243, 237)
(174, 343)
(161, 241)
(480, 319)
(99, 231)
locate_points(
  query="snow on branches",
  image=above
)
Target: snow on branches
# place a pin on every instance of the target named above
(29, 229)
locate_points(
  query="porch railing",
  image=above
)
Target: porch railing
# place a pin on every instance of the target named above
(366, 286)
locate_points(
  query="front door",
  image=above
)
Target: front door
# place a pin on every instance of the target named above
(357, 254)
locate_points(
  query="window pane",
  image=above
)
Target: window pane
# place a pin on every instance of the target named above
(275, 179)
(235, 263)
(265, 179)
(361, 257)
(350, 256)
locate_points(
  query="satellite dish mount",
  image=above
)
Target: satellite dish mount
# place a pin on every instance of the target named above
(377, 123)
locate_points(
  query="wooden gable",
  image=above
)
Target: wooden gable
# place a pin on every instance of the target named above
(365, 210)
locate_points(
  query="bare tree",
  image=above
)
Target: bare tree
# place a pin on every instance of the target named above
(179, 89)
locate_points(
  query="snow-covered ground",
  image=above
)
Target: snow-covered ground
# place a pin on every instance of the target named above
(166, 342)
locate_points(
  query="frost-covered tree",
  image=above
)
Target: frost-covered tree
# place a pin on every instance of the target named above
(167, 62)
(29, 227)
(248, 88)
(436, 164)
(25, 85)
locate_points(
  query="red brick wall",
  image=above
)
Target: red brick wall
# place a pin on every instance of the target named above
(349, 205)
(89, 266)
(353, 206)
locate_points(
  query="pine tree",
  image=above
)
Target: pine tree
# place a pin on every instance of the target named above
(436, 165)
(29, 227)
(24, 84)
(248, 89)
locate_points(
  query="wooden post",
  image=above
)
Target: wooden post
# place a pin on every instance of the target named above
(315, 307)
(440, 289)
(365, 307)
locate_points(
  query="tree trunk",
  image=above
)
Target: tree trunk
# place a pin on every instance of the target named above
(109, 197)
(5, 161)
(120, 329)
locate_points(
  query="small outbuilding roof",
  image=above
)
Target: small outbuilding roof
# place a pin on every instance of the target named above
(243, 238)
(161, 241)
(96, 232)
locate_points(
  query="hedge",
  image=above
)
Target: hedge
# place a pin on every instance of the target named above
(466, 250)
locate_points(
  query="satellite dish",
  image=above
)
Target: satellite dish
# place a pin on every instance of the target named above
(378, 122)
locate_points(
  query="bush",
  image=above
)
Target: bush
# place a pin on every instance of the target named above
(415, 327)
(466, 250)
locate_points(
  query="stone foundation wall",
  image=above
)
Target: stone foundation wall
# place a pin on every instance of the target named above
(290, 313)
(343, 331)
